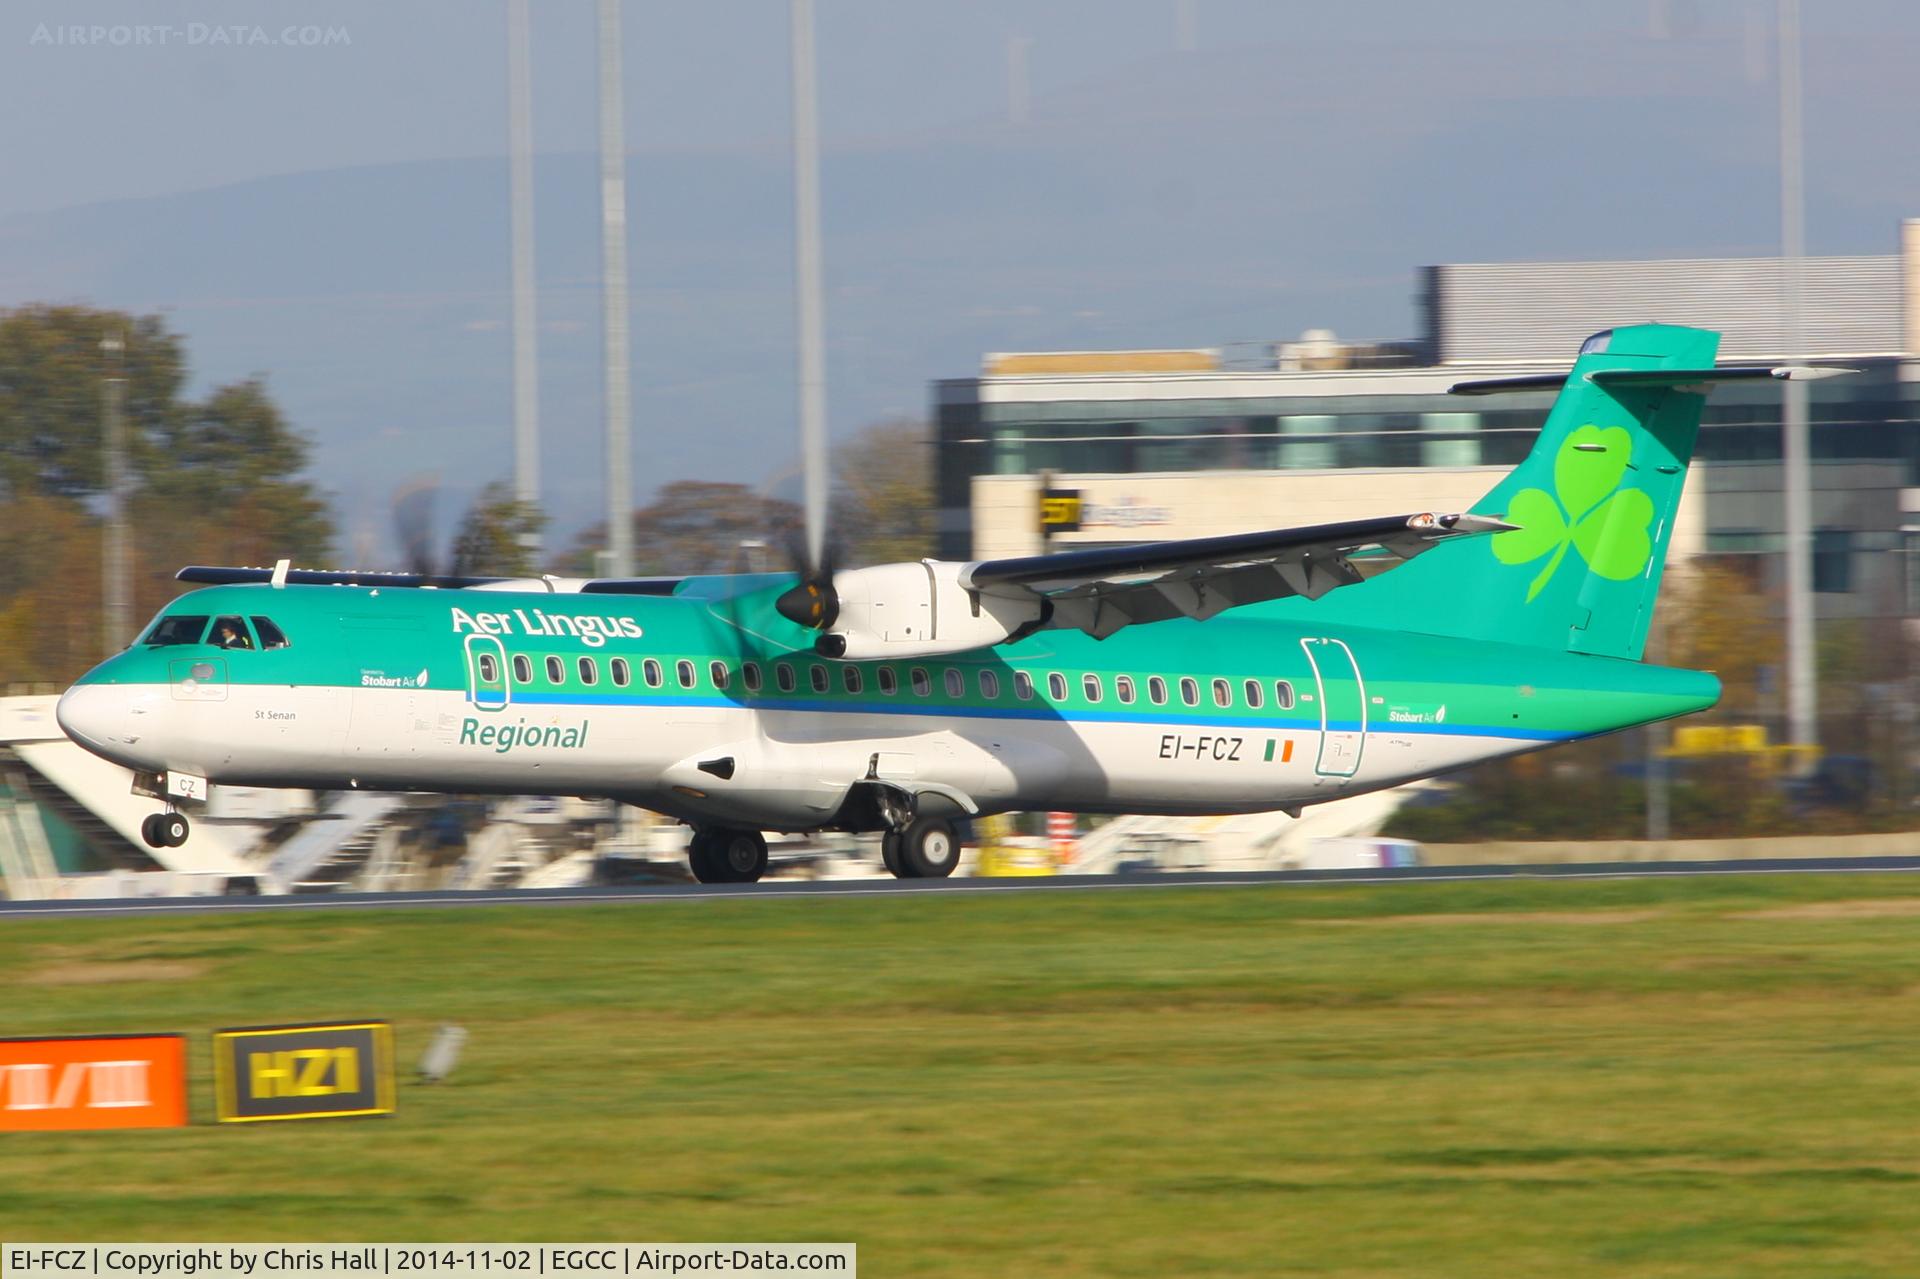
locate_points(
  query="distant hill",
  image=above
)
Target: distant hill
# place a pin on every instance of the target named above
(1201, 199)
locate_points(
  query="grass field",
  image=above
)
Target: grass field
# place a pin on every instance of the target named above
(1703, 1077)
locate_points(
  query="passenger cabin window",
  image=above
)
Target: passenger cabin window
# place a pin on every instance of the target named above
(556, 671)
(889, 682)
(231, 632)
(183, 629)
(1222, 693)
(1189, 690)
(717, 672)
(850, 676)
(622, 673)
(589, 671)
(1253, 693)
(489, 668)
(750, 676)
(1156, 690)
(1123, 688)
(956, 683)
(522, 669)
(650, 671)
(1090, 685)
(922, 682)
(1283, 694)
(818, 679)
(271, 636)
(783, 676)
(1023, 686)
(684, 669)
(1057, 686)
(990, 686)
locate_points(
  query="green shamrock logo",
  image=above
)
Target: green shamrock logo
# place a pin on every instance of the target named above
(1587, 509)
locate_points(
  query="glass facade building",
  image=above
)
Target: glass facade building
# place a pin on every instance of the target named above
(1387, 421)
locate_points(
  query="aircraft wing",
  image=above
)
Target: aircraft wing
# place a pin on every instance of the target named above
(220, 575)
(1099, 591)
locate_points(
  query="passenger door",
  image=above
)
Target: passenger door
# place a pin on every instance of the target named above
(487, 685)
(1343, 706)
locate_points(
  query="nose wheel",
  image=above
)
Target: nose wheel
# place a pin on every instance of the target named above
(165, 830)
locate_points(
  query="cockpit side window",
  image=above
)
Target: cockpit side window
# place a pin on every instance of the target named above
(184, 628)
(230, 632)
(272, 636)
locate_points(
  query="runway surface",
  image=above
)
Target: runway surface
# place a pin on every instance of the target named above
(785, 889)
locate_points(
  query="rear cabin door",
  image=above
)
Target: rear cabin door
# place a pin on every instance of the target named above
(1343, 706)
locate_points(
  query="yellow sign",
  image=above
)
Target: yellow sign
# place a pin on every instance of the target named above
(303, 1072)
(1060, 510)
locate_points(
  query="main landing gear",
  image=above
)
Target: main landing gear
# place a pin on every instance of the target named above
(724, 856)
(165, 830)
(925, 848)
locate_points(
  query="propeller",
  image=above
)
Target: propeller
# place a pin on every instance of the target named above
(812, 601)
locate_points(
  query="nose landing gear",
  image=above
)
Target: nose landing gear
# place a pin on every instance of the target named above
(165, 830)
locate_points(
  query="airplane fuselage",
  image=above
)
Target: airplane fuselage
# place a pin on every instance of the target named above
(673, 703)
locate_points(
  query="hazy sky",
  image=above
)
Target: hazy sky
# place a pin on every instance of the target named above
(425, 79)
(332, 214)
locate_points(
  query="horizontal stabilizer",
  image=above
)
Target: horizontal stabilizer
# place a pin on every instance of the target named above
(1651, 378)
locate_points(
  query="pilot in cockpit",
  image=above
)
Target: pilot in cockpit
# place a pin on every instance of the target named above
(229, 633)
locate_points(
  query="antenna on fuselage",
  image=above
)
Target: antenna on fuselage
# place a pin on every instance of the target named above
(279, 579)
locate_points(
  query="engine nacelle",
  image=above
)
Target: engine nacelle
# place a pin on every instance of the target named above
(920, 610)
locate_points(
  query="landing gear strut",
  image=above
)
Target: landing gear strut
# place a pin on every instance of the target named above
(165, 830)
(926, 848)
(726, 856)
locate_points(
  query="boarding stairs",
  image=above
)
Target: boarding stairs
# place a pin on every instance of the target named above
(1245, 841)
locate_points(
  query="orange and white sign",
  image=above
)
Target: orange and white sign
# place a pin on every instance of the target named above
(99, 1081)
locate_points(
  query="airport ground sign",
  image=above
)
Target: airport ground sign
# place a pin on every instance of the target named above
(93, 1081)
(319, 1071)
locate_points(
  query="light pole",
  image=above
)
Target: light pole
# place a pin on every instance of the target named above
(613, 292)
(1803, 708)
(116, 593)
(526, 377)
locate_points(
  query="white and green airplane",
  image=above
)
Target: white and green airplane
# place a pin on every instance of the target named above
(1215, 675)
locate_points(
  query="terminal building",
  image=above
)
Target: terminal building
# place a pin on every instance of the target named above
(1191, 443)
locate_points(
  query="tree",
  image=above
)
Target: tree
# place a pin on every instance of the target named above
(215, 480)
(220, 486)
(697, 526)
(496, 536)
(51, 371)
(883, 509)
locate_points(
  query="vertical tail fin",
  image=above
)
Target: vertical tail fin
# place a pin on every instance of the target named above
(1594, 501)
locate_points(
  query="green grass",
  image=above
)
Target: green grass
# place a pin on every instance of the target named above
(1673, 1078)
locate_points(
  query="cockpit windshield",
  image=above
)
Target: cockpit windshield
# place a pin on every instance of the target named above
(179, 629)
(271, 636)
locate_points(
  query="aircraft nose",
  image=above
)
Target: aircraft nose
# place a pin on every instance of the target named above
(99, 717)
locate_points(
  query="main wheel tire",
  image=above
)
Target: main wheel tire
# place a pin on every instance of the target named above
(740, 855)
(701, 860)
(890, 855)
(173, 829)
(150, 831)
(930, 848)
